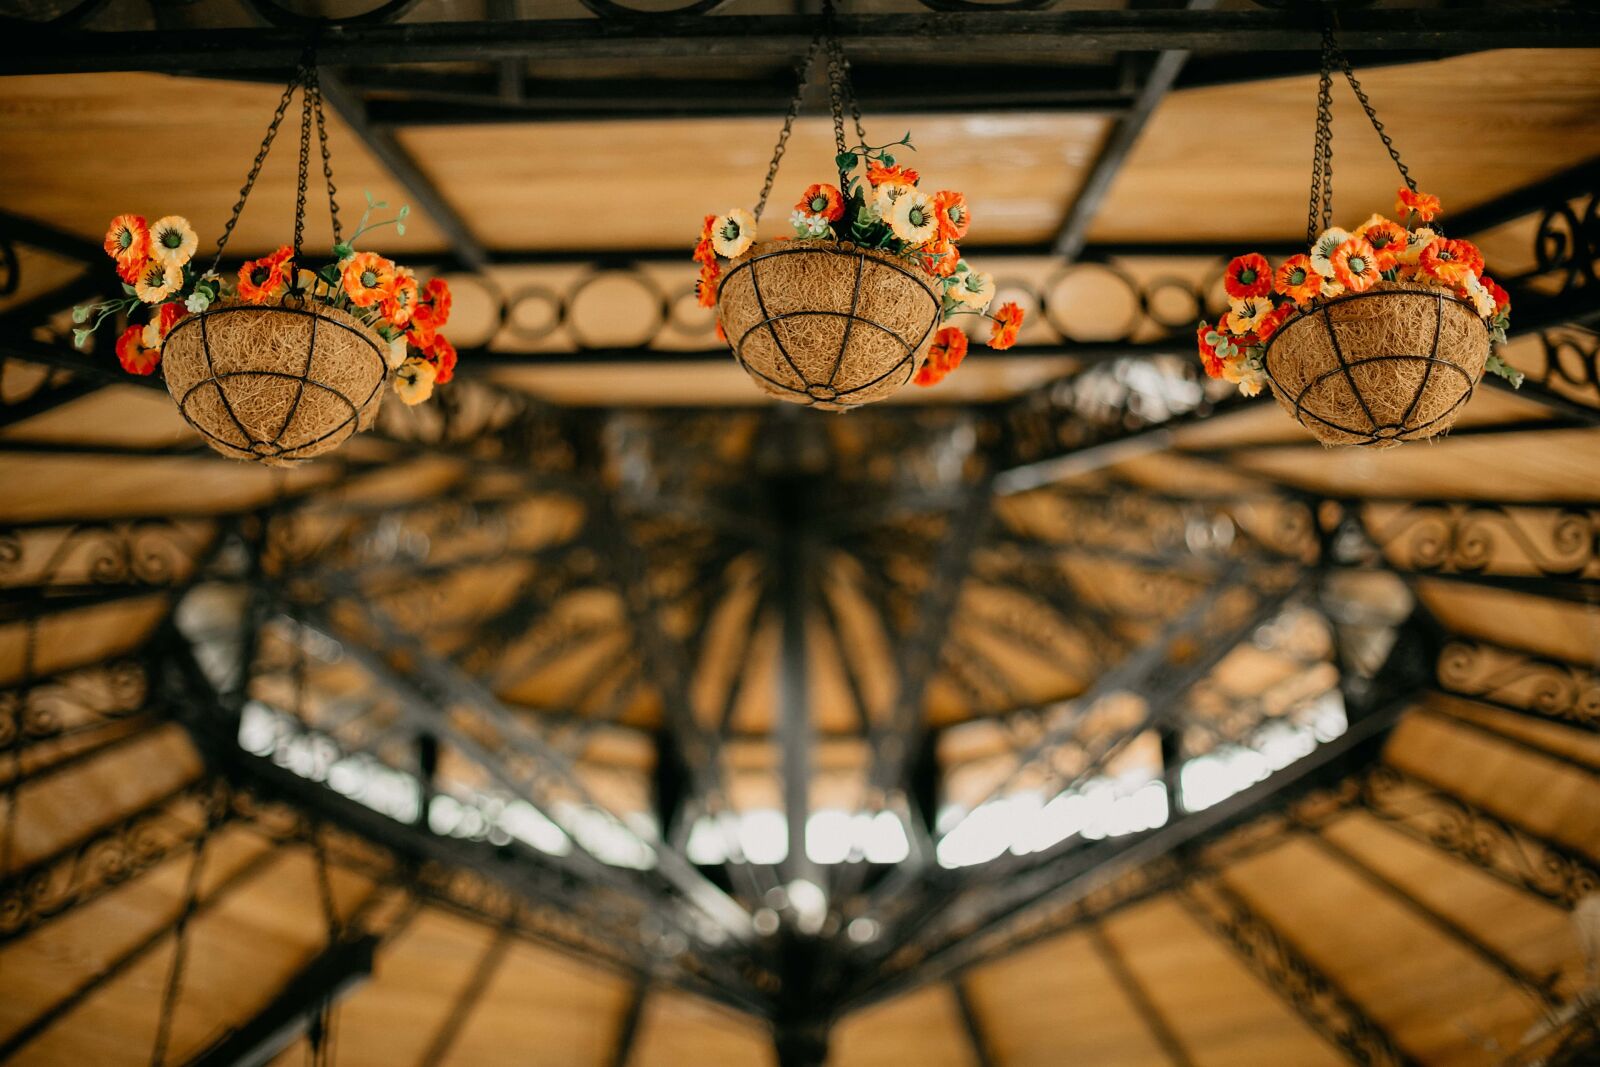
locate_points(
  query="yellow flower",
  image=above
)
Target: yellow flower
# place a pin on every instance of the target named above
(732, 233)
(413, 382)
(397, 352)
(157, 281)
(914, 219)
(1323, 248)
(1419, 239)
(1331, 289)
(1247, 314)
(974, 289)
(172, 241)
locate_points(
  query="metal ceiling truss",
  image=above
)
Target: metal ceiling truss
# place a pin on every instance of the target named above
(1026, 35)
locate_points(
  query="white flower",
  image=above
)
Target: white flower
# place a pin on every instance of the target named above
(1245, 315)
(1323, 248)
(1481, 298)
(152, 334)
(732, 233)
(1416, 241)
(197, 302)
(172, 241)
(974, 289)
(913, 219)
(888, 194)
(808, 225)
(397, 351)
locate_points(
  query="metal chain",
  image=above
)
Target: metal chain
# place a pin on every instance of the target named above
(849, 91)
(327, 160)
(304, 170)
(836, 104)
(180, 952)
(1321, 206)
(803, 77)
(255, 168)
(1372, 117)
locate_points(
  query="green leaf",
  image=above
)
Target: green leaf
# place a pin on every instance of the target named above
(80, 338)
(845, 161)
(80, 314)
(405, 209)
(888, 160)
(126, 288)
(400, 228)
(343, 250)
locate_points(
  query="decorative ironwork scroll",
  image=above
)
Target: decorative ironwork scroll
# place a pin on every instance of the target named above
(1517, 680)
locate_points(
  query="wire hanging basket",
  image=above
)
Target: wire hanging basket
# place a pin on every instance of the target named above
(1396, 362)
(278, 383)
(820, 322)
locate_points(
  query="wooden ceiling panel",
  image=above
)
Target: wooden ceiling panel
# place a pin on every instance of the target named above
(81, 487)
(677, 1029)
(648, 184)
(84, 148)
(923, 1027)
(1232, 163)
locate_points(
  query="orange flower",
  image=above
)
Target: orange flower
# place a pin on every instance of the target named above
(264, 279)
(954, 218)
(1298, 280)
(1425, 206)
(1007, 321)
(1248, 276)
(1448, 261)
(1355, 265)
(703, 252)
(1388, 240)
(949, 348)
(442, 354)
(128, 242)
(403, 297)
(368, 278)
(823, 200)
(877, 174)
(424, 322)
(705, 288)
(722, 335)
(1208, 354)
(941, 258)
(134, 355)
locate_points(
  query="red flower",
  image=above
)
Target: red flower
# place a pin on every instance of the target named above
(1248, 276)
(1423, 205)
(949, 348)
(1272, 321)
(264, 279)
(424, 322)
(168, 316)
(1007, 321)
(823, 200)
(703, 252)
(442, 354)
(1208, 354)
(722, 335)
(132, 353)
(1502, 299)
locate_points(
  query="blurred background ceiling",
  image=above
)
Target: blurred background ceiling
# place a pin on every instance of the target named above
(600, 712)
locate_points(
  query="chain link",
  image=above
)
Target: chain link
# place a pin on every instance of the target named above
(180, 951)
(803, 78)
(327, 160)
(304, 166)
(1372, 117)
(255, 168)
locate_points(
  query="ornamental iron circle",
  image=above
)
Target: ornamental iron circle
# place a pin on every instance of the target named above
(274, 385)
(827, 323)
(1395, 363)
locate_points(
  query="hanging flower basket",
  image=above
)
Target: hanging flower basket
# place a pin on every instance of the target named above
(828, 323)
(1393, 363)
(280, 363)
(275, 384)
(850, 309)
(1376, 335)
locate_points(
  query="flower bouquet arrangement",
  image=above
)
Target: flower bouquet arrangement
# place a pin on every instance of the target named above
(163, 285)
(843, 311)
(1373, 335)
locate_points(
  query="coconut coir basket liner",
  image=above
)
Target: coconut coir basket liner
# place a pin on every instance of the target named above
(1395, 363)
(275, 384)
(827, 323)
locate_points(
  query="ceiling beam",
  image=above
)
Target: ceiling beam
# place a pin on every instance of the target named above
(988, 34)
(328, 978)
